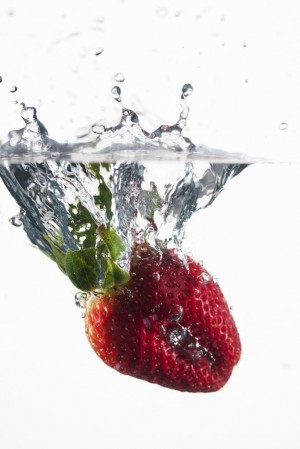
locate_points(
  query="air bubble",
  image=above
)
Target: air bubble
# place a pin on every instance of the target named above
(13, 89)
(244, 44)
(80, 299)
(156, 276)
(163, 330)
(119, 77)
(215, 280)
(176, 312)
(1, 79)
(147, 323)
(205, 278)
(283, 126)
(15, 221)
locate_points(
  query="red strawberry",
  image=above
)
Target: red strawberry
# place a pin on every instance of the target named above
(169, 324)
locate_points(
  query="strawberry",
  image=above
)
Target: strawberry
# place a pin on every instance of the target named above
(169, 324)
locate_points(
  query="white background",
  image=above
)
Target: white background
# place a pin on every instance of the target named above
(54, 391)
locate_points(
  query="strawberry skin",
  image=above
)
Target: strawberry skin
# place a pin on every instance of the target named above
(168, 325)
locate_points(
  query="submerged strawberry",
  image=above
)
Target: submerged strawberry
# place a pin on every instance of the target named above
(169, 324)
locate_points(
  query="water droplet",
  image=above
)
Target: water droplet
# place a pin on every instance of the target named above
(98, 129)
(83, 315)
(176, 312)
(163, 330)
(80, 299)
(1, 79)
(147, 323)
(283, 126)
(223, 44)
(99, 51)
(205, 278)
(244, 44)
(116, 93)
(215, 280)
(156, 276)
(187, 89)
(13, 89)
(16, 102)
(15, 221)
(119, 77)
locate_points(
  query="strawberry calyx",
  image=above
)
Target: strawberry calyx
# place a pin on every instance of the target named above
(93, 268)
(93, 264)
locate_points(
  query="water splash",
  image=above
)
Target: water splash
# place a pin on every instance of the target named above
(126, 140)
(63, 202)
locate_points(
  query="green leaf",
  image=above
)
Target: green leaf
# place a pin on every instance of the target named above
(82, 225)
(58, 254)
(114, 275)
(112, 240)
(82, 268)
(154, 202)
(104, 197)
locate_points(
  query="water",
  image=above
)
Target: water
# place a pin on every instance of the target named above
(64, 203)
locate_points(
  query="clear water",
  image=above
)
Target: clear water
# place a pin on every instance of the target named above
(63, 202)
